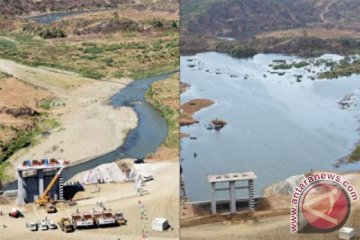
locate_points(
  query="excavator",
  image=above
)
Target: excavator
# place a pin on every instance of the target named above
(44, 198)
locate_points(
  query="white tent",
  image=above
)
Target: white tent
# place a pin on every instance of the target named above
(160, 224)
(106, 172)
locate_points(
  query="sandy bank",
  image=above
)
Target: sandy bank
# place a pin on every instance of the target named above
(89, 126)
(191, 107)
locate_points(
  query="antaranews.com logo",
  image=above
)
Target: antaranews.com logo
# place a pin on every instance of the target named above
(321, 203)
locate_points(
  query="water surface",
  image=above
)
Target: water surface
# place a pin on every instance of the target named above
(277, 127)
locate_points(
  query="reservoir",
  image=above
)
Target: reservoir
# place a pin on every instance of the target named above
(279, 124)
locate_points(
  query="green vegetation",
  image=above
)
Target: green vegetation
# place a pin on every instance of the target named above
(105, 56)
(283, 65)
(103, 59)
(301, 64)
(25, 138)
(163, 95)
(346, 67)
(3, 75)
(52, 33)
(3, 167)
(355, 155)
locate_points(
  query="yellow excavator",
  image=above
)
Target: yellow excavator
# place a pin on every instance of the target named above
(44, 198)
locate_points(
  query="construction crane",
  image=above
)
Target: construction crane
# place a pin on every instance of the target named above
(44, 198)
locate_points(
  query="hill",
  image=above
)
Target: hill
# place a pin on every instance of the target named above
(271, 25)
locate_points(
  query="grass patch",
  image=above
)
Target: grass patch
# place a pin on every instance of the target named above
(24, 139)
(143, 73)
(355, 155)
(133, 58)
(3, 176)
(3, 75)
(342, 70)
(163, 95)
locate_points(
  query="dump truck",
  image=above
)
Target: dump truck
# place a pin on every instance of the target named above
(83, 220)
(66, 225)
(120, 220)
(104, 219)
(44, 198)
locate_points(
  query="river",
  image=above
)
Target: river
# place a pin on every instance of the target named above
(53, 17)
(277, 127)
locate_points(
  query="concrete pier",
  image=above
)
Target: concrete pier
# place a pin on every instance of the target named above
(232, 179)
(34, 178)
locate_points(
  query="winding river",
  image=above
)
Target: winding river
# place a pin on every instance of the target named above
(278, 126)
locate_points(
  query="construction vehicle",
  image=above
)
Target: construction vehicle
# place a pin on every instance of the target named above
(50, 208)
(82, 220)
(120, 220)
(66, 225)
(51, 225)
(32, 226)
(44, 198)
(15, 213)
(104, 219)
(44, 226)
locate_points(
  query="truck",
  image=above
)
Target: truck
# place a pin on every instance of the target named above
(66, 225)
(44, 226)
(33, 226)
(104, 219)
(15, 213)
(82, 220)
(120, 220)
(50, 208)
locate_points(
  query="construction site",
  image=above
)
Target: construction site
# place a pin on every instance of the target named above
(116, 200)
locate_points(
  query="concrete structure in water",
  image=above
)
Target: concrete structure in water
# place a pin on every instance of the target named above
(34, 178)
(231, 179)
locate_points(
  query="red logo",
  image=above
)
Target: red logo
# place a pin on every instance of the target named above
(325, 206)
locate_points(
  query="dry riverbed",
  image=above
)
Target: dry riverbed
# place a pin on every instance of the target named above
(88, 125)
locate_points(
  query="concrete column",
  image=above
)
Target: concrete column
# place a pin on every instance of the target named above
(213, 198)
(251, 196)
(21, 200)
(232, 197)
(41, 181)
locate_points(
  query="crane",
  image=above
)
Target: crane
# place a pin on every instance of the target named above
(44, 198)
